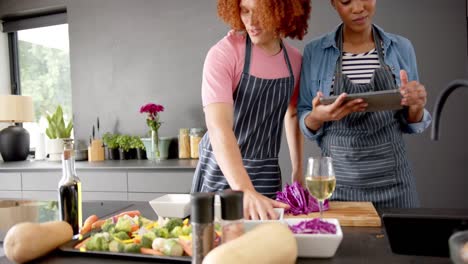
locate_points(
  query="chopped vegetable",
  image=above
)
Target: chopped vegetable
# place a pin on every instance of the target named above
(99, 242)
(124, 224)
(132, 248)
(314, 226)
(87, 225)
(149, 251)
(161, 232)
(116, 246)
(121, 235)
(299, 200)
(172, 248)
(147, 239)
(172, 223)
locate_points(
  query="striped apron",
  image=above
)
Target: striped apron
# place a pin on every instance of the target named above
(259, 109)
(368, 151)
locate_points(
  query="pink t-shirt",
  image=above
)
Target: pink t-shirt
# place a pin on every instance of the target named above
(225, 61)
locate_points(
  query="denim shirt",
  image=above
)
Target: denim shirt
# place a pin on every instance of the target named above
(318, 69)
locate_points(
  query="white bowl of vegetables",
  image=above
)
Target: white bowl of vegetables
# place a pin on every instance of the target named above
(321, 238)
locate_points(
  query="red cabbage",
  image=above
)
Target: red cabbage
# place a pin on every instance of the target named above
(299, 200)
(314, 226)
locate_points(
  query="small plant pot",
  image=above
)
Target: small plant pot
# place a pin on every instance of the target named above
(127, 155)
(141, 154)
(113, 153)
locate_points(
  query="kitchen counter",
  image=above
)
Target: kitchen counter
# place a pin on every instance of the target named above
(359, 245)
(33, 165)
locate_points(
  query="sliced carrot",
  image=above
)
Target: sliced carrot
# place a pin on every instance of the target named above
(149, 251)
(186, 245)
(98, 224)
(129, 213)
(87, 225)
(82, 243)
(135, 228)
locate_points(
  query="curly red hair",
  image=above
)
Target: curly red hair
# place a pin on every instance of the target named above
(287, 17)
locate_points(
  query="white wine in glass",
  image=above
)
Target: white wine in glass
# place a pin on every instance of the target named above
(320, 179)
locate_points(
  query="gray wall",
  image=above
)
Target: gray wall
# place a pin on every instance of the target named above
(125, 53)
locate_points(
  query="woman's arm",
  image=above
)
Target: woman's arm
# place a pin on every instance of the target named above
(295, 142)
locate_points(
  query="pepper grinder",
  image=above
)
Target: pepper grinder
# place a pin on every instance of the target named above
(202, 218)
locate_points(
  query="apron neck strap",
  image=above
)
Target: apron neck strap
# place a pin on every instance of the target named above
(377, 43)
(248, 55)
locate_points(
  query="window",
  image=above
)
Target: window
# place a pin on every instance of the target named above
(40, 67)
(44, 65)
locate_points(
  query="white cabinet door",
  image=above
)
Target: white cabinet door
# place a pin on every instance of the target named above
(41, 195)
(104, 196)
(145, 197)
(103, 180)
(161, 181)
(41, 181)
(10, 181)
(4, 195)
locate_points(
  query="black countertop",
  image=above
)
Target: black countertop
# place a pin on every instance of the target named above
(33, 165)
(359, 245)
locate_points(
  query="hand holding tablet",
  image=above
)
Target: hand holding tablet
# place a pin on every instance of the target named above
(377, 101)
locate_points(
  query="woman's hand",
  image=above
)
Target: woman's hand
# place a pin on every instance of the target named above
(259, 207)
(337, 110)
(414, 96)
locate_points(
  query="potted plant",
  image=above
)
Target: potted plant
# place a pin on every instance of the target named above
(110, 140)
(125, 148)
(56, 132)
(138, 145)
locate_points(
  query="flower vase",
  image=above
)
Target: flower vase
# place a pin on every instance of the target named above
(155, 145)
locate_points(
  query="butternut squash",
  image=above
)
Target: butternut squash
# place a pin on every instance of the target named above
(28, 241)
(268, 243)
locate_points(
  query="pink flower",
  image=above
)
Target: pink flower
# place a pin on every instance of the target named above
(152, 120)
(151, 108)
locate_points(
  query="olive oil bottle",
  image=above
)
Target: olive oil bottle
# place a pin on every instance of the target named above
(69, 190)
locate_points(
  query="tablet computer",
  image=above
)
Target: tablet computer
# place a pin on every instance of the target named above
(423, 231)
(377, 101)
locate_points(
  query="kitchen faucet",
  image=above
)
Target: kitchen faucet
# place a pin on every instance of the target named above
(440, 104)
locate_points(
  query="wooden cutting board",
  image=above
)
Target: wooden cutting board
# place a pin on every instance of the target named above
(349, 214)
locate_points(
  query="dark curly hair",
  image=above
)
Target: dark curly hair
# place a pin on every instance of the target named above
(287, 17)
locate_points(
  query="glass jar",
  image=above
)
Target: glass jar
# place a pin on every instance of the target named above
(196, 135)
(184, 143)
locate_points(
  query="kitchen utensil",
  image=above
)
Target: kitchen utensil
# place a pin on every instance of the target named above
(348, 214)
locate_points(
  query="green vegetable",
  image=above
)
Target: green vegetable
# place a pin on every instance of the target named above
(161, 232)
(121, 235)
(173, 222)
(99, 242)
(177, 231)
(132, 248)
(147, 239)
(172, 248)
(186, 230)
(108, 226)
(116, 246)
(123, 224)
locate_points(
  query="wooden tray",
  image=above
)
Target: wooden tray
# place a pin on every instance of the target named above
(349, 214)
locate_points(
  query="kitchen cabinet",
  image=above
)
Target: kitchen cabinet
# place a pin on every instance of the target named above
(10, 181)
(101, 181)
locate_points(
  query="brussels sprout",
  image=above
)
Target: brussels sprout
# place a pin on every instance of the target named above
(172, 248)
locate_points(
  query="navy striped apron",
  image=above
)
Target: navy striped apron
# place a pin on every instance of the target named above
(259, 109)
(368, 151)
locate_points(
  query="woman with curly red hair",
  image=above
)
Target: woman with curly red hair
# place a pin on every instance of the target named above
(249, 90)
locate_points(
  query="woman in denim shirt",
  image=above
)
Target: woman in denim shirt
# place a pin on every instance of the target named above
(368, 151)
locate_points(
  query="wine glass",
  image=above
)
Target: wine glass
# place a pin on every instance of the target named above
(320, 179)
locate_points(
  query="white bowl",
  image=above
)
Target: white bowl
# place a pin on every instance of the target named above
(317, 245)
(172, 205)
